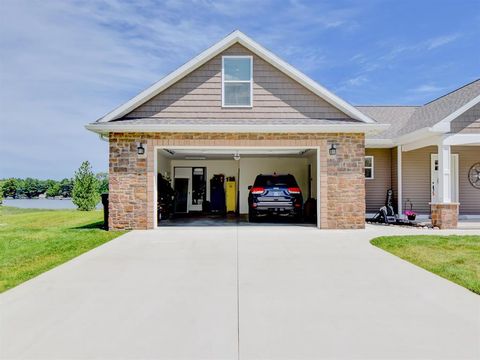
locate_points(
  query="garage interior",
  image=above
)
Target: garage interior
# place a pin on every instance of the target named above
(210, 186)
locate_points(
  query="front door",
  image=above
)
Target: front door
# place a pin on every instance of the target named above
(434, 183)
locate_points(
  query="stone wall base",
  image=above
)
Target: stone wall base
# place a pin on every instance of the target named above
(445, 216)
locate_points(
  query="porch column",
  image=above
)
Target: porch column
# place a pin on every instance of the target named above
(444, 192)
(444, 212)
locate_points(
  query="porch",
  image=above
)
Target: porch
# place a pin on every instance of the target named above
(435, 177)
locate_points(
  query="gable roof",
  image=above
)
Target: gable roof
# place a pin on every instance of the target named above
(236, 37)
(396, 116)
(435, 115)
(445, 108)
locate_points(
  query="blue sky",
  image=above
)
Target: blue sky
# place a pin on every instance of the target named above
(66, 63)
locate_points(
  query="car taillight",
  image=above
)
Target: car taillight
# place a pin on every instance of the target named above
(294, 190)
(257, 190)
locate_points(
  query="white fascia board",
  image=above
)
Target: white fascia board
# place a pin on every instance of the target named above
(222, 45)
(462, 139)
(105, 128)
(416, 135)
(379, 143)
(433, 139)
(444, 124)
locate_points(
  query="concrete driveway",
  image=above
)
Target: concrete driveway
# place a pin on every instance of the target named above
(240, 292)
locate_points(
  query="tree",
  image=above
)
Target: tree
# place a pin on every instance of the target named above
(53, 190)
(9, 188)
(31, 187)
(85, 192)
(66, 186)
(102, 178)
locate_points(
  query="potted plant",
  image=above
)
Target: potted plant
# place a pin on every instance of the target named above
(411, 215)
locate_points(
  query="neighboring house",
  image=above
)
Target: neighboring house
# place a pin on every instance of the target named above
(238, 110)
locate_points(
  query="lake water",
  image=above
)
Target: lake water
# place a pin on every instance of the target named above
(43, 204)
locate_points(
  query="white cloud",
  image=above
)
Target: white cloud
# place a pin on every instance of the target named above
(441, 41)
(428, 88)
(356, 81)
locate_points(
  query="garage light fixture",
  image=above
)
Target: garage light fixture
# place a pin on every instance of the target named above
(236, 157)
(333, 150)
(140, 149)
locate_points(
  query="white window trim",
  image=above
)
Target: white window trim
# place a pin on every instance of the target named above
(237, 81)
(370, 167)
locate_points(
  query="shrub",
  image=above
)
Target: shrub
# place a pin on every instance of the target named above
(85, 194)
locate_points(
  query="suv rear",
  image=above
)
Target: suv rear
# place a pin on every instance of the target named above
(275, 195)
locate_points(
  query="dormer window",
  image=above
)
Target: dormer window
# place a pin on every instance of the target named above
(237, 83)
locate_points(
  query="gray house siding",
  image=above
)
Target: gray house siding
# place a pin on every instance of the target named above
(275, 96)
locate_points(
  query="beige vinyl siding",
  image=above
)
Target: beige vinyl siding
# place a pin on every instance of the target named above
(416, 178)
(469, 197)
(468, 122)
(376, 188)
(275, 96)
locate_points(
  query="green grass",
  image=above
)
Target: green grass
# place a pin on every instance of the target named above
(33, 241)
(456, 258)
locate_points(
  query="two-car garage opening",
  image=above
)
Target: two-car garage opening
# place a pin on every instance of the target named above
(216, 186)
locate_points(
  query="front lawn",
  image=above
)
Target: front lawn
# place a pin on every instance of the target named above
(33, 241)
(456, 258)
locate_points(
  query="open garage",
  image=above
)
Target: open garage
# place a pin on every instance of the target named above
(211, 185)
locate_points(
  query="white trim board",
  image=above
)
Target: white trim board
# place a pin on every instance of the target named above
(236, 37)
(104, 128)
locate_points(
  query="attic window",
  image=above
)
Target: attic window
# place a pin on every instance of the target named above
(237, 81)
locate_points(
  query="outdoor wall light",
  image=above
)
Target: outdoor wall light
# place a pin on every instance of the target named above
(333, 150)
(140, 149)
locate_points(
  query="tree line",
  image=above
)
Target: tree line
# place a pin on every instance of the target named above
(84, 188)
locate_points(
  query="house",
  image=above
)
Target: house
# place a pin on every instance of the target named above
(239, 110)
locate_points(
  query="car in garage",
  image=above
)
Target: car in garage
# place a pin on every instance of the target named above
(275, 194)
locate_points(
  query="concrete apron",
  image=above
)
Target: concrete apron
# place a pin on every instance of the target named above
(294, 293)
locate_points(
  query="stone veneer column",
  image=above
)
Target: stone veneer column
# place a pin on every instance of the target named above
(127, 183)
(445, 216)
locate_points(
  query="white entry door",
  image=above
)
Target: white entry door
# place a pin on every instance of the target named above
(454, 176)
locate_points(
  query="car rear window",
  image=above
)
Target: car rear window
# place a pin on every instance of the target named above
(275, 180)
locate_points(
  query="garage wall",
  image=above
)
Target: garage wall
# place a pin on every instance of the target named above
(163, 165)
(251, 167)
(214, 167)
